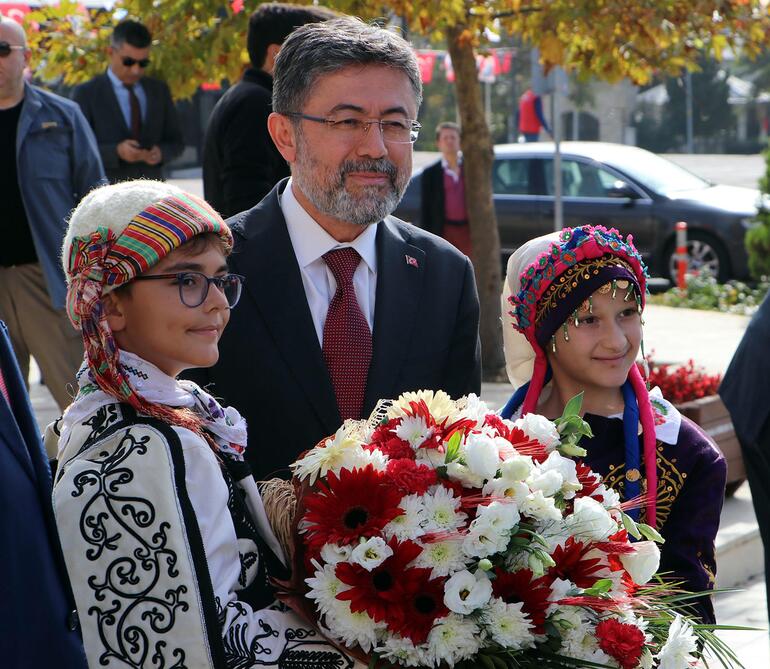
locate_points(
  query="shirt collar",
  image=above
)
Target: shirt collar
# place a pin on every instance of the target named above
(311, 241)
(117, 83)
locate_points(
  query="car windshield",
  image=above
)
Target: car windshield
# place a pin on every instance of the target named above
(659, 174)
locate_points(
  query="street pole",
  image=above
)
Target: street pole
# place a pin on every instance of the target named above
(558, 209)
(688, 108)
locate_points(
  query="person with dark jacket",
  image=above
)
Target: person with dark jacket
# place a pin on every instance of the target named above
(133, 116)
(744, 390)
(37, 617)
(240, 162)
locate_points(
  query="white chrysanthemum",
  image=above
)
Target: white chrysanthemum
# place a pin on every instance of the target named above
(439, 404)
(409, 524)
(401, 650)
(508, 625)
(324, 586)
(375, 457)
(567, 470)
(452, 639)
(333, 553)
(371, 553)
(341, 450)
(441, 510)
(465, 592)
(679, 650)
(353, 628)
(443, 557)
(414, 429)
(541, 508)
(540, 428)
(463, 475)
(481, 455)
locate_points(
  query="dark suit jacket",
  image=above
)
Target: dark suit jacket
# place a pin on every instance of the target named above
(37, 626)
(160, 127)
(745, 388)
(240, 162)
(432, 216)
(271, 367)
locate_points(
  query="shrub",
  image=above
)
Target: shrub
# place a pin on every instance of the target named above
(705, 292)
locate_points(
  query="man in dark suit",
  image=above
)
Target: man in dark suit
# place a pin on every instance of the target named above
(343, 304)
(240, 162)
(745, 390)
(133, 116)
(37, 618)
(442, 191)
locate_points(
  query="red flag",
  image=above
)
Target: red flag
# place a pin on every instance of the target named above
(426, 59)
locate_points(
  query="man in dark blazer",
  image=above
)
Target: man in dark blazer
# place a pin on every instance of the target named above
(240, 162)
(132, 116)
(745, 390)
(38, 625)
(442, 191)
(345, 96)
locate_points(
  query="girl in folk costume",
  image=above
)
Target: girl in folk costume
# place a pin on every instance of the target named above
(164, 533)
(572, 312)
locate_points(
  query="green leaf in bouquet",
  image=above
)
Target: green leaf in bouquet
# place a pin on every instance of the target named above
(453, 447)
(630, 526)
(650, 533)
(572, 408)
(601, 587)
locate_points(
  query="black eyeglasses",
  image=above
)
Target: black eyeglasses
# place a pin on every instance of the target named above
(394, 131)
(6, 48)
(130, 62)
(194, 286)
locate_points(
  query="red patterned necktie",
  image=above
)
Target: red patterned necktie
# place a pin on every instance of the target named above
(347, 345)
(136, 113)
(4, 388)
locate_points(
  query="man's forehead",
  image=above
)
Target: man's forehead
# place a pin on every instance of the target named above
(12, 32)
(368, 86)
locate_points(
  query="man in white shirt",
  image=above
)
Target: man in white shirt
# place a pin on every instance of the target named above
(344, 305)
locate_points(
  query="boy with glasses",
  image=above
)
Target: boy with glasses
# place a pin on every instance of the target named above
(133, 116)
(164, 535)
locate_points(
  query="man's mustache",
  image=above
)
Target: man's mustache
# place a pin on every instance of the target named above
(371, 165)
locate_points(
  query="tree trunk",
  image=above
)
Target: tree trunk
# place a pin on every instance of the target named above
(478, 156)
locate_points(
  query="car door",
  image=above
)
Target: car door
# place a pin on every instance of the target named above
(515, 187)
(586, 185)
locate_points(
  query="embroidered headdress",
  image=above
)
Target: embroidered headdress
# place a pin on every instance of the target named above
(116, 233)
(549, 278)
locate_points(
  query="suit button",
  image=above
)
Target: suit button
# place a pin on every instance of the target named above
(72, 621)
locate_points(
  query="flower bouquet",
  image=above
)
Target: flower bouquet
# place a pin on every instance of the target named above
(438, 534)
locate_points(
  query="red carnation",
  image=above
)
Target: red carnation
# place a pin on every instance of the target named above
(519, 586)
(355, 504)
(385, 439)
(410, 478)
(621, 641)
(573, 565)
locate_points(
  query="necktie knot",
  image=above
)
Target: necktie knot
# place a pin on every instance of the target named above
(343, 264)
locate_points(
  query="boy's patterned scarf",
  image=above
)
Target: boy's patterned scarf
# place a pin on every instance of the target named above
(103, 261)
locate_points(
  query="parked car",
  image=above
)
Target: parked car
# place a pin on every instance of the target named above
(616, 186)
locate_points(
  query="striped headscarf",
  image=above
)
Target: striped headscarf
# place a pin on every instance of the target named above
(116, 233)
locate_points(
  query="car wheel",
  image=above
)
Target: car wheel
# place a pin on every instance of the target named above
(704, 254)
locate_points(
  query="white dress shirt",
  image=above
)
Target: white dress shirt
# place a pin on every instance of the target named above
(311, 242)
(121, 92)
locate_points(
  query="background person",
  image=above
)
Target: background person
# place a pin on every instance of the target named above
(531, 118)
(744, 390)
(164, 534)
(49, 161)
(240, 161)
(344, 304)
(443, 191)
(37, 618)
(573, 302)
(133, 116)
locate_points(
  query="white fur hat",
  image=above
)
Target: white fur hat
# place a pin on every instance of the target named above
(112, 207)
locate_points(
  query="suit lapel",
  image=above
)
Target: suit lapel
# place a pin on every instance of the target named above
(274, 286)
(108, 93)
(400, 277)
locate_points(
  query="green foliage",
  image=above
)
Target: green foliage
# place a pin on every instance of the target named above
(704, 292)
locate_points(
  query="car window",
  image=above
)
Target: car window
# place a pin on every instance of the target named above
(580, 179)
(511, 176)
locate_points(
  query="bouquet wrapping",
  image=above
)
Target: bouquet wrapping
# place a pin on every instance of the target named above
(438, 534)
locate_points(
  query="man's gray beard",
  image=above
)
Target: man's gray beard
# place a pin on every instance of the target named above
(333, 199)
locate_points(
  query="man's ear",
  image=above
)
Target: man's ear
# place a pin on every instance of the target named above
(272, 52)
(284, 137)
(113, 311)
